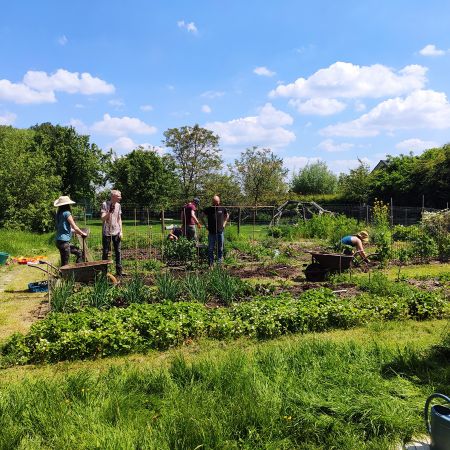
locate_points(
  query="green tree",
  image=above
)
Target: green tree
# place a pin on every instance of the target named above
(260, 174)
(226, 187)
(79, 164)
(197, 155)
(145, 178)
(356, 186)
(315, 178)
(27, 187)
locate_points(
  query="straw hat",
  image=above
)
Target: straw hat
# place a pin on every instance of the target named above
(364, 236)
(63, 200)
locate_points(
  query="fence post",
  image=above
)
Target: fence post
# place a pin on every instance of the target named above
(367, 214)
(239, 221)
(392, 213)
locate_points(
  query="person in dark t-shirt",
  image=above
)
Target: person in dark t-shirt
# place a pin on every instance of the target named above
(217, 219)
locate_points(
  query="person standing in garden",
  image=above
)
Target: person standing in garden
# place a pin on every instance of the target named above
(189, 220)
(111, 214)
(65, 226)
(217, 219)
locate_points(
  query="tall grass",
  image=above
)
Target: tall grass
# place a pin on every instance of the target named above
(60, 295)
(310, 395)
(168, 287)
(25, 243)
(196, 287)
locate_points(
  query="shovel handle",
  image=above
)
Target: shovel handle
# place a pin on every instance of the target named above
(427, 408)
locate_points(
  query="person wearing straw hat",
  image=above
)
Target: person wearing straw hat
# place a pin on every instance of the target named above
(357, 241)
(65, 226)
(111, 214)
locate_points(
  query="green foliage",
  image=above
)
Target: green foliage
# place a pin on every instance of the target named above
(94, 333)
(196, 287)
(60, 294)
(423, 247)
(168, 287)
(356, 186)
(402, 233)
(315, 178)
(145, 178)
(197, 155)
(260, 174)
(381, 234)
(135, 291)
(224, 286)
(27, 186)
(437, 226)
(180, 251)
(21, 243)
(223, 185)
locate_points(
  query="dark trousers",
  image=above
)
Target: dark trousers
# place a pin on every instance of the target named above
(65, 249)
(116, 241)
(215, 241)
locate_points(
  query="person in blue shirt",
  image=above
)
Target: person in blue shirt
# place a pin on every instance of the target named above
(65, 226)
(357, 242)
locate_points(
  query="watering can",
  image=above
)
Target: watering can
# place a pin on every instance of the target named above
(438, 422)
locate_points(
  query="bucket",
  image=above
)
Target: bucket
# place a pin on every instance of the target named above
(438, 422)
(3, 258)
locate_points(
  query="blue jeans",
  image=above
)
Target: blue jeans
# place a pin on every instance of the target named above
(215, 240)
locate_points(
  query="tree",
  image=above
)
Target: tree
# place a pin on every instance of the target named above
(197, 155)
(79, 164)
(145, 178)
(225, 186)
(27, 189)
(315, 178)
(260, 174)
(356, 186)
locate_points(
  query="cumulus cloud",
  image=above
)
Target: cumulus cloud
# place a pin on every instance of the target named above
(188, 26)
(263, 71)
(125, 144)
(295, 163)
(206, 109)
(119, 126)
(39, 87)
(267, 129)
(65, 81)
(420, 109)
(146, 108)
(346, 80)
(416, 145)
(7, 118)
(318, 106)
(431, 50)
(329, 145)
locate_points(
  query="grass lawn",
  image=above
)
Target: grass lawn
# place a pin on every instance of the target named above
(357, 389)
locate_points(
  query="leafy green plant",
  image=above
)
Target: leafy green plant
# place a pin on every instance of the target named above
(60, 294)
(424, 248)
(135, 291)
(168, 287)
(102, 295)
(225, 287)
(197, 287)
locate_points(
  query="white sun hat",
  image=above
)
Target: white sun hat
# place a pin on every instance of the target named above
(63, 200)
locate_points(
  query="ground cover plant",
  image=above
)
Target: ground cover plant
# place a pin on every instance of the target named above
(357, 392)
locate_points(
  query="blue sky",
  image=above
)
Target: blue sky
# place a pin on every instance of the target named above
(326, 80)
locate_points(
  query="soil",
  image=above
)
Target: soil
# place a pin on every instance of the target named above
(275, 270)
(426, 285)
(139, 254)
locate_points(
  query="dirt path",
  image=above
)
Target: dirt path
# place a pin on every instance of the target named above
(19, 308)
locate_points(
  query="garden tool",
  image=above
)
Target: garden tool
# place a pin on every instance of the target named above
(438, 422)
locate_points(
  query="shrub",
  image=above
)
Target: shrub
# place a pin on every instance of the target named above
(181, 251)
(402, 233)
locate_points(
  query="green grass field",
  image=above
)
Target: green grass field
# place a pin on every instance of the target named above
(358, 389)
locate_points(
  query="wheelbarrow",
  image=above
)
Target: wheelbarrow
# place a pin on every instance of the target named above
(323, 264)
(84, 272)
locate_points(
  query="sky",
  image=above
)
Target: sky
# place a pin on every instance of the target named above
(335, 81)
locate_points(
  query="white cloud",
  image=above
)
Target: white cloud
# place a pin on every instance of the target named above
(118, 126)
(431, 50)
(79, 125)
(318, 106)
(359, 106)
(125, 144)
(7, 118)
(295, 163)
(329, 145)
(420, 109)
(264, 71)
(22, 94)
(344, 165)
(416, 145)
(265, 129)
(190, 27)
(212, 94)
(62, 40)
(206, 109)
(64, 81)
(146, 108)
(346, 80)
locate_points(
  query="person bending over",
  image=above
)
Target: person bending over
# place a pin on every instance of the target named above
(357, 241)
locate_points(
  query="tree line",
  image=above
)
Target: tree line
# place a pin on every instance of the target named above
(45, 161)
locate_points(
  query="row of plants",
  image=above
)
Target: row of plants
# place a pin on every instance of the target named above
(216, 284)
(141, 327)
